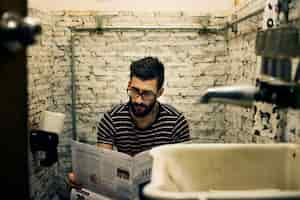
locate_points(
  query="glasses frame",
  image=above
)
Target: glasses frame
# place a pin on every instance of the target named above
(140, 93)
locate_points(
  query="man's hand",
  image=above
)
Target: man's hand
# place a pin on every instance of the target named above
(105, 146)
(72, 181)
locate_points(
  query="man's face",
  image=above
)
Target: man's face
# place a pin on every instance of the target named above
(142, 95)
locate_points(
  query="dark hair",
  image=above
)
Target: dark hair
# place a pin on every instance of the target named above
(148, 68)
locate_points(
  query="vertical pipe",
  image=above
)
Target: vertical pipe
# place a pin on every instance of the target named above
(73, 87)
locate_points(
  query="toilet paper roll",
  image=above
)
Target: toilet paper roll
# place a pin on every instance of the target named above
(52, 122)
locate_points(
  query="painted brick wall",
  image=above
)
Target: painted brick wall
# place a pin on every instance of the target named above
(193, 63)
(49, 89)
(242, 69)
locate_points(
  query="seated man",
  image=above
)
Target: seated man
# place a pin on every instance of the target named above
(142, 123)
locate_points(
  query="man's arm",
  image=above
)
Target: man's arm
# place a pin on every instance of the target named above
(105, 132)
(181, 131)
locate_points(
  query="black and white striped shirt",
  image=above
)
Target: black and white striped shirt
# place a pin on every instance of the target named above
(117, 128)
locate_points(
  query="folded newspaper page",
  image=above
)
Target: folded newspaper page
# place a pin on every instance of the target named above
(85, 194)
(111, 173)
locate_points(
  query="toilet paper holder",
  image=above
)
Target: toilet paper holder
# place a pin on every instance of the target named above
(45, 139)
(44, 147)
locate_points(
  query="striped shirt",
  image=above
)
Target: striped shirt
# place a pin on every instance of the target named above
(118, 128)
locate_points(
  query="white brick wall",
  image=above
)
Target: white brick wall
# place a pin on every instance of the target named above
(193, 63)
(189, 58)
(40, 87)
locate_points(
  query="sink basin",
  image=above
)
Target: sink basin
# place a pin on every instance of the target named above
(225, 171)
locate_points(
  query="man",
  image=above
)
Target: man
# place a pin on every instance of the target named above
(143, 122)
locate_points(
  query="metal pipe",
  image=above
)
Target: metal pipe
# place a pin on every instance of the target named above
(150, 28)
(73, 88)
(169, 28)
(231, 24)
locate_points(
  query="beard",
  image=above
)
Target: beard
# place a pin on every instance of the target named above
(140, 109)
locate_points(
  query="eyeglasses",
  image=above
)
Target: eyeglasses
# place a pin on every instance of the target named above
(146, 95)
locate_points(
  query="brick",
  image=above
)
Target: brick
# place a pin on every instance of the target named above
(168, 14)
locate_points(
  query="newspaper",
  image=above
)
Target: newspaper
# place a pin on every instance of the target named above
(111, 173)
(85, 194)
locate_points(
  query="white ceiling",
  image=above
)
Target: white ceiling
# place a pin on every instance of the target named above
(136, 5)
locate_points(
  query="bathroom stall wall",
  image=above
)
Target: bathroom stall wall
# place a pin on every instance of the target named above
(254, 125)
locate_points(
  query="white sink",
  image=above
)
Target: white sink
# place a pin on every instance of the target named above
(225, 171)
